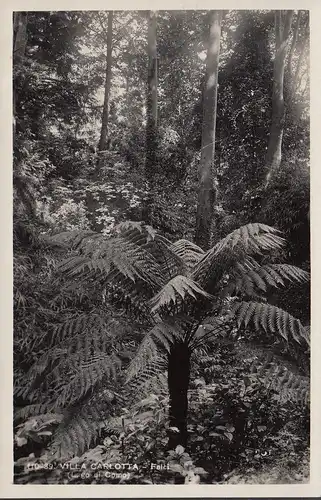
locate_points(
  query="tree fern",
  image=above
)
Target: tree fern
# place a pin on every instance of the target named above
(152, 279)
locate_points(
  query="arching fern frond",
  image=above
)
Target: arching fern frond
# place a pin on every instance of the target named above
(32, 410)
(147, 354)
(77, 325)
(171, 264)
(275, 273)
(155, 244)
(178, 287)
(271, 318)
(250, 278)
(135, 258)
(288, 385)
(154, 385)
(252, 238)
(100, 367)
(234, 248)
(188, 252)
(78, 430)
(152, 380)
(157, 340)
(82, 353)
(246, 278)
(275, 373)
(111, 256)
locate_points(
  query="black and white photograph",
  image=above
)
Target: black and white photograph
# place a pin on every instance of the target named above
(161, 247)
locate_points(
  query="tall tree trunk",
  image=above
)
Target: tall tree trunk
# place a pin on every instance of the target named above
(274, 151)
(102, 146)
(20, 20)
(151, 125)
(178, 383)
(294, 41)
(296, 79)
(93, 202)
(20, 38)
(127, 91)
(151, 112)
(207, 189)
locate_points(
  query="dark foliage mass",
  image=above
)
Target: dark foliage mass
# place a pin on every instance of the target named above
(134, 345)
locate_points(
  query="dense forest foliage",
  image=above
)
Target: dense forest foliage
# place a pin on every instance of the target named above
(161, 247)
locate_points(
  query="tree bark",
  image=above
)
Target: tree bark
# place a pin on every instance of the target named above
(274, 151)
(296, 79)
(92, 203)
(151, 125)
(178, 383)
(20, 38)
(20, 20)
(151, 115)
(207, 189)
(293, 44)
(102, 146)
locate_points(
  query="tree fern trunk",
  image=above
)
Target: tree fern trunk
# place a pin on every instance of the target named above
(178, 383)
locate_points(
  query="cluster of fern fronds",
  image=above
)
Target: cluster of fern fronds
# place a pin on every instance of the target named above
(95, 321)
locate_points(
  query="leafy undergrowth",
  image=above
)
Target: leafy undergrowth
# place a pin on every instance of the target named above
(239, 432)
(286, 469)
(138, 455)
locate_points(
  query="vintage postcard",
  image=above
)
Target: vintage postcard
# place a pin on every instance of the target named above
(160, 208)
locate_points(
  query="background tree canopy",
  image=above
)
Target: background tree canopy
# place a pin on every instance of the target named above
(161, 245)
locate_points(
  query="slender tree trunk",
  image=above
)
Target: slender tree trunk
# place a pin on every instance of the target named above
(274, 151)
(207, 189)
(102, 146)
(178, 383)
(92, 201)
(151, 125)
(20, 20)
(293, 44)
(20, 38)
(151, 112)
(127, 92)
(296, 79)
